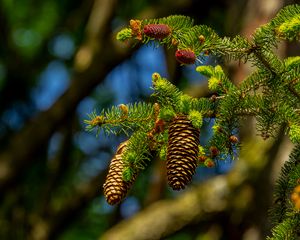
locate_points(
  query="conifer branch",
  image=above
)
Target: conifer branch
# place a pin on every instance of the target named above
(285, 216)
(128, 117)
(171, 126)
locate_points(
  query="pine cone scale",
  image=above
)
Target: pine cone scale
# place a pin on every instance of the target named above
(182, 152)
(115, 188)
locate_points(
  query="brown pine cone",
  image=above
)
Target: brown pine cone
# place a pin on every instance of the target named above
(115, 188)
(182, 152)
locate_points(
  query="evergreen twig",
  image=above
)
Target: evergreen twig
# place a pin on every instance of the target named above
(271, 94)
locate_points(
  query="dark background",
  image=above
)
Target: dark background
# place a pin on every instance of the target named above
(59, 61)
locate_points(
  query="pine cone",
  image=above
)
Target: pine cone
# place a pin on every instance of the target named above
(157, 31)
(182, 152)
(115, 188)
(185, 56)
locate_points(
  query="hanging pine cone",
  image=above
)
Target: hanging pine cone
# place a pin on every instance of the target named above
(182, 152)
(185, 56)
(115, 188)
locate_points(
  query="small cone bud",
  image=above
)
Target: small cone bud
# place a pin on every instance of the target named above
(174, 42)
(124, 110)
(213, 98)
(202, 158)
(157, 31)
(115, 188)
(214, 151)
(156, 108)
(201, 39)
(185, 56)
(233, 139)
(135, 26)
(182, 152)
(295, 197)
(209, 163)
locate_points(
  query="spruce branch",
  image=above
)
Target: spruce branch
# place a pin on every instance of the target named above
(139, 29)
(288, 229)
(165, 92)
(263, 58)
(237, 48)
(254, 81)
(122, 118)
(283, 213)
(199, 38)
(260, 95)
(136, 155)
(287, 23)
(171, 127)
(218, 81)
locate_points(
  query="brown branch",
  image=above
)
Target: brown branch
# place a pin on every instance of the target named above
(261, 58)
(25, 145)
(292, 89)
(57, 168)
(50, 225)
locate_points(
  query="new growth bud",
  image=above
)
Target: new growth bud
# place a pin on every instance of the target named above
(124, 110)
(135, 26)
(201, 39)
(209, 163)
(295, 197)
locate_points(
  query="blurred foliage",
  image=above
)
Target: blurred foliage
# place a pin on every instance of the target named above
(57, 193)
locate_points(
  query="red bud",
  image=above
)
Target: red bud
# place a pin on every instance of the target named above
(185, 56)
(202, 158)
(214, 151)
(157, 31)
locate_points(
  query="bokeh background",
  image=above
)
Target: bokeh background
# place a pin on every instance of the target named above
(59, 61)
